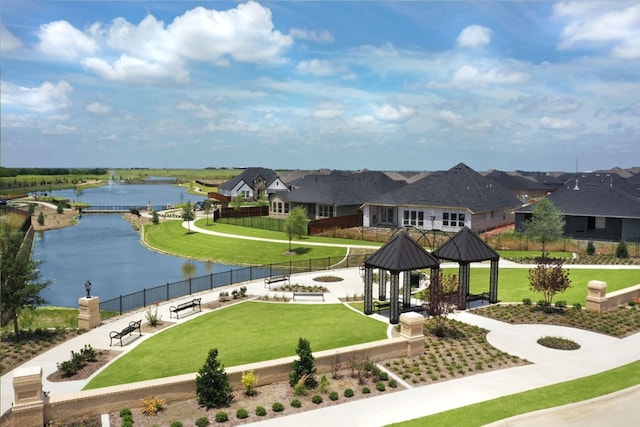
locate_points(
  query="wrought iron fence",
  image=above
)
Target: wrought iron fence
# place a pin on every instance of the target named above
(168, 291)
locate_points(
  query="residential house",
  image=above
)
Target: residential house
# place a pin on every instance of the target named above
(444, 200)
(252, 184)
(595, 206)
(527, 186)
(339, 193)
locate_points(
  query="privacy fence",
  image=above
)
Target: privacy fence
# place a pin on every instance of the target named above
(192, 285)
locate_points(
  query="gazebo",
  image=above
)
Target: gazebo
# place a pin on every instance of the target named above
(400, 254)
(464, 248)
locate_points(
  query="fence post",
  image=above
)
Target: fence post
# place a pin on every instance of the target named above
(231, 276)
(190, 286)
(167, 291)
(210, 281)
(290, 268)
(144, 297)
(120, 305)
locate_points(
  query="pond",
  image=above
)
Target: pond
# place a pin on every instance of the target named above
(106, 250)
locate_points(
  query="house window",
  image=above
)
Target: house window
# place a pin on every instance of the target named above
(286, 208)
(415, 218)
(325, 211)
(453, 219)
(279, 207)
(273, 207)
(386, 215)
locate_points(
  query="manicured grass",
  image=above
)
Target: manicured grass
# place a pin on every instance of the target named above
(533, 254)
(546, 397)
(171, 237)
(46, 317)
(243, 333)
(513, 283)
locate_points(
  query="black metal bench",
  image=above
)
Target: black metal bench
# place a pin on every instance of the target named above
(128, 330)
(185, 305)
(308, 294)
(383, 305)
(275, 279)
(478, 297)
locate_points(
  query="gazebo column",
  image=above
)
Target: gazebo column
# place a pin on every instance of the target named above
(394, 312)
(406, 289)
(434, 288)
(493, 282)
(382, 284)
(368, 290)
(464, 272)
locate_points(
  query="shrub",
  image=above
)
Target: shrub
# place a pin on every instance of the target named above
(88, 353)
(222, 417)
(127, 422)
(621, 250)
(334, 395)
(393, 383)
(41, 218)
(152, 316)
(203, 422)
(591, 248)
(152, 406)
(296, 403)
(526, 301)
(366, 390)
(348, 393)
(317, 399)
(60, 209)
(212, 383)
(155, 219)
(561, 304)
(277, 407)
(380, 386)
(383, 376)
(577, 306)
(324, 384)
(261, 411)
(124, 412)
(304, 366)
(175, 424)
(249, 382)
(242, 413)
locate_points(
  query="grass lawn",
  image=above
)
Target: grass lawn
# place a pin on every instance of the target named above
(534, 254)
(546, 397)
(513, 283)
(243, 333)
(171, 237)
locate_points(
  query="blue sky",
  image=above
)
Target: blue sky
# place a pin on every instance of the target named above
(320, 84)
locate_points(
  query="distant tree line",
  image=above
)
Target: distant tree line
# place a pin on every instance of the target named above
(11, 172)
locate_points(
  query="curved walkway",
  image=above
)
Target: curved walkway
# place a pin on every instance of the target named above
(598, 353)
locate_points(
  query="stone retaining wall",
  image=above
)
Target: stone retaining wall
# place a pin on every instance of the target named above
(599, 300)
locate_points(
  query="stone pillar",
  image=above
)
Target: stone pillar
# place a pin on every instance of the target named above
(89, 316)
(28, 407)
(493, 282)
(394, 312)
(368, 290)
(382, 284)
(406, 289)
(597, 295)
(411, 328)
(464, 276)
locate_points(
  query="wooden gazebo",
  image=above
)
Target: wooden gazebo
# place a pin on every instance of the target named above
(400, 254)
(464, 248)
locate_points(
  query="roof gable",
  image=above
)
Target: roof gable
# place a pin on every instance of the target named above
(401, 253)
(465, 246)
(249, 176)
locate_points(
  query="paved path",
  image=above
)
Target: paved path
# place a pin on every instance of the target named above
(598, 353)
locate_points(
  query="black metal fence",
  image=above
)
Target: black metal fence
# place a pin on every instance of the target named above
(168, 291)
(120, 208)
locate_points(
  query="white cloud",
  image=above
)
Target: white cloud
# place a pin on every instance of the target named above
(200, 110)
(60, 130)
(44, 98)
(98, 108)
(554, 123)
(317, 68)
(474, 36)
(450, 117)
(392, 113)
(616, 24)
(134, 70)
(60, 39)
(328, 110)
(469, 76)
(9, 42)
(323, 36)
(539, 103)
(147, 40)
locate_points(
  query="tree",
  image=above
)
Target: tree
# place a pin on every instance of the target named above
(207, 207)
(296, 223)
(79, 191)
(154, 218)
(237, 202)
(212, 383)
(304, 367)
(549, 278)
(41, 218)
(20, 285)
(546, 224)
(443, 302)
(188, 215)
(621, 250)
(591, 248)
(60, 209)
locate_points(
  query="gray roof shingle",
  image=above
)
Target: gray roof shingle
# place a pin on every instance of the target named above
(465, 246)
(401, 253)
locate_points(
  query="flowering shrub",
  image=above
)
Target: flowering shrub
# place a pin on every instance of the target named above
(152, 406)
(249, 382)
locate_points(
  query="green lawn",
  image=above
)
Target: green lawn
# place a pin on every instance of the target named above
(513, 283)
(546, 397)
(171, 237)
(243, 333)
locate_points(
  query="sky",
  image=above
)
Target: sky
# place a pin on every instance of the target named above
(403, 85)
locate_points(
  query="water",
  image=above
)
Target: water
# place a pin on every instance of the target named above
(106, 250)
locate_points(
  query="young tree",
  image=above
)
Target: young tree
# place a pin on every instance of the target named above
(212, 383)
(591, 248)
(188, 215)
(443, 302)
(296, 223)
(549, 279)
(304, 367)
(546, 224)
(207, 207)
(60, 209)
(621, 250)
(154, 218)
(237, 202)
(20, 286)
(41, 218)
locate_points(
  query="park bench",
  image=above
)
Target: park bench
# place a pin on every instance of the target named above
(308, 294)
(275, 279)
(185, 305)
(383, 305)
(478, 297)
(128, 330)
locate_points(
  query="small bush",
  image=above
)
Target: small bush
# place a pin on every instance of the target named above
(249, 382)
(127, 422)
(621, 250)
(393, 383)
(277, 407)
(221, 417)
(591, 248)
(261, 411)
(317, 399)
(380, 386)
(296, 403)
(323, 386)
(577, 306)
(561, 304)
(334, 395)
(175, 424)
(124, 412)
(366, 390)
(203, 422)
(526, 301)
(242, 413)
(348, 393)
(152, 406)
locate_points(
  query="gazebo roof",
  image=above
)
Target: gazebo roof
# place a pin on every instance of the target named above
(465, 246)
(401, 253)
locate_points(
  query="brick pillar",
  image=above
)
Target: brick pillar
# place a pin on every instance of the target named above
(89, 316)
(28, 407)
(411, 328)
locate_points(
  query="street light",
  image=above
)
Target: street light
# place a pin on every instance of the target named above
(87, 286)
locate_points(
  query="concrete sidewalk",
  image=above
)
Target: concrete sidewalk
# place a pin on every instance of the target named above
(597, 353)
